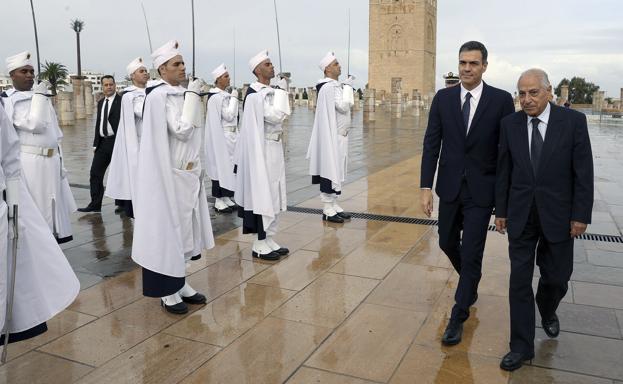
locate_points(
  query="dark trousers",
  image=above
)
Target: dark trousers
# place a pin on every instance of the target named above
(465, 252)
(555, 261)
(101, 160)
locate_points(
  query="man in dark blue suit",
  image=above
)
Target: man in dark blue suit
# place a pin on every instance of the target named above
(464, 124)
(544, 197)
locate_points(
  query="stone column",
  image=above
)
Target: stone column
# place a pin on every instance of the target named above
(88, 98)
(311, 97)
(78, 98)
(369, 104)
(245, 88)
(357, 105)
(396, 98)
(621, 100)
(65, 108)
(416, 102)
(564, 93)
(598, 100)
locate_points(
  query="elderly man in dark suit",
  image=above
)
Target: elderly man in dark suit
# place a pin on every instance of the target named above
(463, 125)
(108, 115)
(544, 198)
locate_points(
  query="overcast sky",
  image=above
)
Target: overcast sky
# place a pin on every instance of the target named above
(565, 38)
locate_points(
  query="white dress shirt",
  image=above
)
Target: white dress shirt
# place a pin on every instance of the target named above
(110, 101)
(473, 102)
(544, 117)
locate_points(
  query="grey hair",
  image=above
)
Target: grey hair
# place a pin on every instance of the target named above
(541, 74)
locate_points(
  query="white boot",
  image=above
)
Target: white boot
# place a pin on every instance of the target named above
(187, 291)
(336, 207)
(174, 304)
(229, 202)
(329, 210)
(262, 250)
(220, 205)
(276, 247)
(172, 299)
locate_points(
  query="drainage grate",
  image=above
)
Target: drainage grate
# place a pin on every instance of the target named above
(415, 220)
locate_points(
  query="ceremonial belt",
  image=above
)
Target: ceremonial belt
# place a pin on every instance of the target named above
(186, 165)
(273, 136)
(232, 128)
(36, 150)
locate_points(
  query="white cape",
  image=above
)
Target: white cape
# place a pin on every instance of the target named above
(124, 161)
(253, 185)
(45, 284)
(219, 160)
(324, 149)
(45, 176)
(165, 197)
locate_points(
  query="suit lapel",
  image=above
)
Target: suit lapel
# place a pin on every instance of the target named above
(480, 110)
(552, 134)
(521, 133)
(455, 107)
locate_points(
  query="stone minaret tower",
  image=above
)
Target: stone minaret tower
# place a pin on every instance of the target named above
(402, 44)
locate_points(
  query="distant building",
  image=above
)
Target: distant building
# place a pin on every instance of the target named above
(5, 82)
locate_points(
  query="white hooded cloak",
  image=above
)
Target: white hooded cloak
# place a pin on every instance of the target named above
(172, 217)
(220, 143)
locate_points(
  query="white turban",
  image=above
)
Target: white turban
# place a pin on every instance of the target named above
(165, 53)
(219, 71)
(20, 60)
(135, 65)
(326, 60)
(257, 59)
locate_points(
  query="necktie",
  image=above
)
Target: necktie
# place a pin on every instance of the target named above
(105, 119)
(466, 110)
(536, 146)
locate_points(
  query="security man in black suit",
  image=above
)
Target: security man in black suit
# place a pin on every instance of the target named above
(108, 114)
(464, 124)
(544, 198)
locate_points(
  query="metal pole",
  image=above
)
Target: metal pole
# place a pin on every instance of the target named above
(34, 24)
(192, 6)
(151, 48)
(348, 60)
(278, 38)
(234, 71)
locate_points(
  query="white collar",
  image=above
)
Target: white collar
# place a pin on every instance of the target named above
(544, 116)
(476, 92)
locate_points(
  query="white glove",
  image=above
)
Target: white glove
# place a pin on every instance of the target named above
(195, 86)
(347, 94)
(349, 80)
(281, 101)
(41, 88)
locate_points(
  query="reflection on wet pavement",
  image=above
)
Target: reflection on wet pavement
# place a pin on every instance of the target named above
(362, 302)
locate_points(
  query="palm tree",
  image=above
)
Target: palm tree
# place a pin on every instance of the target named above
(55, 74)
(78, 25)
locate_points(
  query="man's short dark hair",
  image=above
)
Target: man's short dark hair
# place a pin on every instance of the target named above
(107, 77)
(475, 46)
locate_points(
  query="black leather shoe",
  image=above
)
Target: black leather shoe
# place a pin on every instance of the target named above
(269, 256)
(514, 360)
(453, 333)
(333, 219)
(344, 215)
(197, 298)
(177, 309)
(224, 210)
(89, 208)
(196, 257)
(282, 251)
(551, 326)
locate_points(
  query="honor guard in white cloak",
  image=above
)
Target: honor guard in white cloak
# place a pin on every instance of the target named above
(124, 161)
(31, 112)
(172, 218)
(220, 140)
(260, 168)
(44, 283)
(328, 147)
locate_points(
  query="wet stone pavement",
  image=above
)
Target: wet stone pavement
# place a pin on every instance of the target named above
(362, 302)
